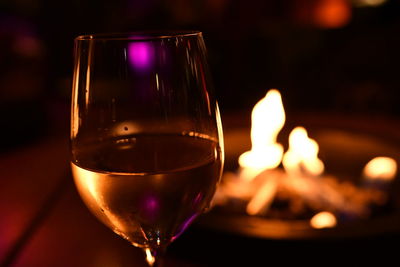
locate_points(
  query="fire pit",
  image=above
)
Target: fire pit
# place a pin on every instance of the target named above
(332, 177)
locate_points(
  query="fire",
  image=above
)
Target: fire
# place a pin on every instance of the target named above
(301, 184)
(302, 154)
(263, 198)
(380, 168)
(267, 118)
(323, 219)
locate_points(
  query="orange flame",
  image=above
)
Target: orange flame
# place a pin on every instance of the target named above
(323, 219)
(263, 198)
(268, 118)
(302, 154)
(380, 168)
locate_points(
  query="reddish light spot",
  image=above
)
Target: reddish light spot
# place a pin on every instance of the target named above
(332, 13)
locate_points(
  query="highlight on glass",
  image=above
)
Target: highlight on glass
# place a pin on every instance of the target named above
(146, 135)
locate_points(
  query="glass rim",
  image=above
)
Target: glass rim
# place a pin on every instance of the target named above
(139, 35)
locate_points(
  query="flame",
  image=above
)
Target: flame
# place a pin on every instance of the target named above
(302, 154)
(263, 198)
(380, 168)
(267, 118)
(323, 219)
(259, 182)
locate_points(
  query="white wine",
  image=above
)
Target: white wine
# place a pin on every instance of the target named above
(148, 188)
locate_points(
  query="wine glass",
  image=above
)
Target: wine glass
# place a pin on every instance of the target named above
(146, 136)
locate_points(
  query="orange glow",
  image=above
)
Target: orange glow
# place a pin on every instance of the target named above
(75, 123)
(302, 154)
(89, 182)
(369, 3)
(323, 219)
(380, 168)
(332, 13)
(149, 257)
(263, 198)
(125, 128)
(267, 118)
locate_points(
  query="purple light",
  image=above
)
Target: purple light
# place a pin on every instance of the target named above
(184, 225)
(150, 208)
(197, 200)
(151, 204)
(141, 55)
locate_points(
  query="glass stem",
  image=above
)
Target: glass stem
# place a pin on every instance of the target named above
(154, 256)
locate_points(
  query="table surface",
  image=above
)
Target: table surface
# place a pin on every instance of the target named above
(43, 222)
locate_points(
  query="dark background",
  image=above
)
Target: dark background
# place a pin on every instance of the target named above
(337, 56)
